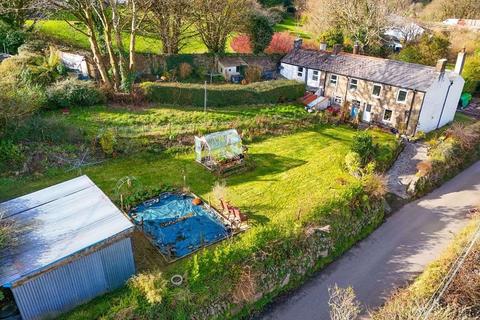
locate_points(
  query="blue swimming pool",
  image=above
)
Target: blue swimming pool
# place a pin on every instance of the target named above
(177, 226)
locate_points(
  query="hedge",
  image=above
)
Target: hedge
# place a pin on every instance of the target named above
(192, 94)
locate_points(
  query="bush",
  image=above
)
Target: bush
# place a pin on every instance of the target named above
(10, 38)
(71, 92)
(184, 70)
(241, 43)
(267, 92)
(253, 73)
(353, 164)
(108, 141)
(11, 156)
(364, 146)
(18, 102)
(151, 285)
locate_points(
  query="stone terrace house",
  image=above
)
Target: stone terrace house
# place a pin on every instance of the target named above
(405, 96)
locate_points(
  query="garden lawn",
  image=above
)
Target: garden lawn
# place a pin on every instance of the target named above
(292, 180)
(292, 26)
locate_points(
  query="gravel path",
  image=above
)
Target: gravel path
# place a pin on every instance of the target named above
(404, 169)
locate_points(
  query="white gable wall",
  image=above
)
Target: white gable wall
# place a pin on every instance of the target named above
(291, 72)
(433, 103)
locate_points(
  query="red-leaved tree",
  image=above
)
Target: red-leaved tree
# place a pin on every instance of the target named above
(241, 44)
(282, 42)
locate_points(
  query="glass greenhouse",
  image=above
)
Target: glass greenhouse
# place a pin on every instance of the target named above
(220, 151)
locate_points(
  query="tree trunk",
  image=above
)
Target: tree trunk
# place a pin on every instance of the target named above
(97, 56)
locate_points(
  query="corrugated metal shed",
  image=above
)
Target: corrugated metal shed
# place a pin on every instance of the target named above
(72, 244)
(71, 284)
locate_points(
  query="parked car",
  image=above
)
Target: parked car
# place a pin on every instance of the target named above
(236, 78)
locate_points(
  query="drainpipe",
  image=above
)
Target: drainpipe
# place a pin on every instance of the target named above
(346, 90)
(419, 114)
(410, 111)
(444, 102)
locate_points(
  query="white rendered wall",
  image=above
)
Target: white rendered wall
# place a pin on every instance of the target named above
(433, 102)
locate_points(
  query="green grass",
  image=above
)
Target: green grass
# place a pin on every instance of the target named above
(293, 26)
(61, 31)
(291, 176)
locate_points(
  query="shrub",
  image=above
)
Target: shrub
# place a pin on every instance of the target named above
(364, 146)
(332, 37)
(253, 73)
(18, 102)
(108, 141)
(241, 44)
(353, 163)
(11, 156)
(10, 38)
(71, 92)
(375, 185)
(184, 70)
(282, 42)
(266, 92)
(151, 285)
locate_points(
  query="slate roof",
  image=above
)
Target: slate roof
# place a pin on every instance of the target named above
(385, 71)
(232, 61)
(55, 223)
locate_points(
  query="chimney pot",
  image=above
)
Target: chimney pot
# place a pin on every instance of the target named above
(460, 62)
(297, 43)
(337, 48)
(323, 46)
(441, 65)
(356, 48)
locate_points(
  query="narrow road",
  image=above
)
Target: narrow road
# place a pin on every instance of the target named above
(392, 255)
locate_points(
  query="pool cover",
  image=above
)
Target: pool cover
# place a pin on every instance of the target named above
(177, 226)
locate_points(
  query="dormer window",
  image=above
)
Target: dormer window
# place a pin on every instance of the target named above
(377, 90)
(402, 96)
(333, 79)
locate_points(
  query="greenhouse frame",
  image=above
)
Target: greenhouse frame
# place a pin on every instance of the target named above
(220, 151)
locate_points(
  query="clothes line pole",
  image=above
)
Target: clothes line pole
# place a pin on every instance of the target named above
(205, 99)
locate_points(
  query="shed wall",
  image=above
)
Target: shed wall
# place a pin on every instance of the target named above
(63, 288)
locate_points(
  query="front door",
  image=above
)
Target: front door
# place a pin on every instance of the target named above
(367, 113)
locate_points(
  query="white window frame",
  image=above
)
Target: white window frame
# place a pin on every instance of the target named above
(337, 100)
(373, 89)
(350, 85)
(333, 83)
(406, 96)
(315, 75)
(391, 115)
(300, 72)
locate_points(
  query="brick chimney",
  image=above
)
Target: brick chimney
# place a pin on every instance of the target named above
(323, 46)
(441, 65)
(356, 48)
(297, 44)
(460, 62)
(337, 49)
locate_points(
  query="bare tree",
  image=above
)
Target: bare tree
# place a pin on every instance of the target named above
(343, 303)
(215, 20)
(172, 20)
(362, 20)
(112, 19)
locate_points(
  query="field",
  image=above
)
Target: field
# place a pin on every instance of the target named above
(295, 176)
(293, 26)
(61, 31)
